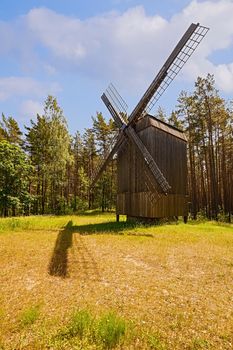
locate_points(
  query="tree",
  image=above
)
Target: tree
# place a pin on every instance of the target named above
(104, 134)
(10, 131)
(89, 160)
(187, 110)
(175, 121)
(208, 125)
(76, 151)
(15, 172)
(48, 143)
(161, 114)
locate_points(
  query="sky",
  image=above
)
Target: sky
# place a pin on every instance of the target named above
(73, 49)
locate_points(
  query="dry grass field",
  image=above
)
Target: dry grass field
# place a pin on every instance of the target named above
(72, 282)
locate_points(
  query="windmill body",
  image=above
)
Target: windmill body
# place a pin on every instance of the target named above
(136, 197)
(151, 155)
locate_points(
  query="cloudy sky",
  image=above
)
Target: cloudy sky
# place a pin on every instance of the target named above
(72, 49)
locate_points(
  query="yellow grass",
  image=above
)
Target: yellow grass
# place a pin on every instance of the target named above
(172, 281)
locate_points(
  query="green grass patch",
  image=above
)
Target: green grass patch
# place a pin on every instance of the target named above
(154, 342)
(199, 344)
(80, 325)
(106, 332)
(52, 222)
(111, 330)
(29, 316)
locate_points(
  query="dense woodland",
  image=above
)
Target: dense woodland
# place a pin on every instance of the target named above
(46, 170)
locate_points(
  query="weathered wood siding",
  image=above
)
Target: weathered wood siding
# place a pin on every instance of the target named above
(167, 145)
(139, 205)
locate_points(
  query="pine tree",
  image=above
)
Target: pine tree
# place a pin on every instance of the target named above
(10, 131)
(48, 143)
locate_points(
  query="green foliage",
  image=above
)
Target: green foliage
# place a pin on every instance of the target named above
(62, 167)
(175, 121)
(14, 179)
(48, 143)
(29, 316)
(9, 130)
(104, 132)
(207, 121)
(105, 189)
(160, 114)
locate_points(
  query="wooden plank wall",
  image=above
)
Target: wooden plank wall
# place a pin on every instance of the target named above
(169, 152)
(139, 204)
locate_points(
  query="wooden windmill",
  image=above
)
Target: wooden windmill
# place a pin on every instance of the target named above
(151, 154)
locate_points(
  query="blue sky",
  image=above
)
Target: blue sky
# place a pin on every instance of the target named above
(73, 49)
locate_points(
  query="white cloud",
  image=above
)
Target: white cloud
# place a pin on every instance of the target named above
(224, 76)
(109, 45)
(25, 86)
(217, 15)
(62, 35)
(124, 47)
(30, 109)
(129, 47)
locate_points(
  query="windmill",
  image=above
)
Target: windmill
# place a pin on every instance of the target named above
(151, 154)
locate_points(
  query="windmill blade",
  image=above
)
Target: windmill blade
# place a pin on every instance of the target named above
(116, 99)
(147, 182)
(116, 116)
(179, 56)
(116, 145)
(150, 162)
(130, 132)
(115, 104)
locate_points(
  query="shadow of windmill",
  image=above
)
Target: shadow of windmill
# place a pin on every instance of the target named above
(58, 265)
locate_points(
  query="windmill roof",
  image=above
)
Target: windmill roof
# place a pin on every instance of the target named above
(151, 121)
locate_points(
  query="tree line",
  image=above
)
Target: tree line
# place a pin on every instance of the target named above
(46, 170)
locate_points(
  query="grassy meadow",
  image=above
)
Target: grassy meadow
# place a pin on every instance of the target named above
(87, 282)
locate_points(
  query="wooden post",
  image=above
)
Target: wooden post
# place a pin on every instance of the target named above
(117, 217)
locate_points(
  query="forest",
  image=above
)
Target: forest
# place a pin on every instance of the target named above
(45, 170)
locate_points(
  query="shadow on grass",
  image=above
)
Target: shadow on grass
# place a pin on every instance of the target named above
(112, 227)
(94, 212)
(58, 265)
(59, 261)
(103, 228)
